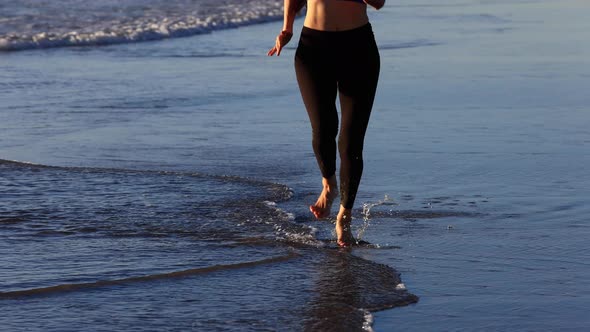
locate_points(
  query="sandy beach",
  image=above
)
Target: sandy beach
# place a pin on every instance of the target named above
(183, 154)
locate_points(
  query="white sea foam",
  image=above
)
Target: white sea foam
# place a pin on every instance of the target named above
(368, 322)
(297, 233)
(81, 23)
(286, 230)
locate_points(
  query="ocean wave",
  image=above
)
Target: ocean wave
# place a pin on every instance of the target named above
(61, 23)
(175, 274)
(114, 231)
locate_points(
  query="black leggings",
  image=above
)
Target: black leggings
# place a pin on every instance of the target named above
(347, 62)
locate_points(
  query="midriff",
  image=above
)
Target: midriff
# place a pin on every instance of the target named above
(335, 15)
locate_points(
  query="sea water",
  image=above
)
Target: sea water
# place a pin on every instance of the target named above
(164, 185)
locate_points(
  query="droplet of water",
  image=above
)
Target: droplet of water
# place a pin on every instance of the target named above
(367, 215)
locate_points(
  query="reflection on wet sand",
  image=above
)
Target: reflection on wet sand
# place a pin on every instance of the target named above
(348, 287)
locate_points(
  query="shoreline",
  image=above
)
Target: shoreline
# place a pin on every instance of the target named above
(480, 112)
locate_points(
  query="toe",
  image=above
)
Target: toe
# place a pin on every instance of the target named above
(319, 212)
(343, 244)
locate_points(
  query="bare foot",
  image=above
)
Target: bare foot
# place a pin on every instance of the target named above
(343, 231)
(321, 208)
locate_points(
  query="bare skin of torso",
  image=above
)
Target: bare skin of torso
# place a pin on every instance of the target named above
(335, 15)
(325, 15)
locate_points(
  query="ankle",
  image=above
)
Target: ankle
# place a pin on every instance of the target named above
(344, 215)
(330, 184)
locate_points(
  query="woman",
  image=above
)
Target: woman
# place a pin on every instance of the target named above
(336, 53)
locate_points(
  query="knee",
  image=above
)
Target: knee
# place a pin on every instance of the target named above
(324, 135)
(350, 151)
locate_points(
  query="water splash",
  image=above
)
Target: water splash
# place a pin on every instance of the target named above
(367, 214)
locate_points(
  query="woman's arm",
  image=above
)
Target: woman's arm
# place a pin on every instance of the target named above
(291, 8)
(377, 4)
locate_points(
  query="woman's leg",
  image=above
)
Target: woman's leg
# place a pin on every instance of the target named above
(318, 88)
(357, 86)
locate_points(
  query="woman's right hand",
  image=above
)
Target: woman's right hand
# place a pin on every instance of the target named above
(377, 4)
(282, 39)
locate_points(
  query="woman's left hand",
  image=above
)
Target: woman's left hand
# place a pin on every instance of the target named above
(282, 39)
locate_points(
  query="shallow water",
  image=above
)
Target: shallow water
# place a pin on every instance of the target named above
(181, 171)
(139, 242)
